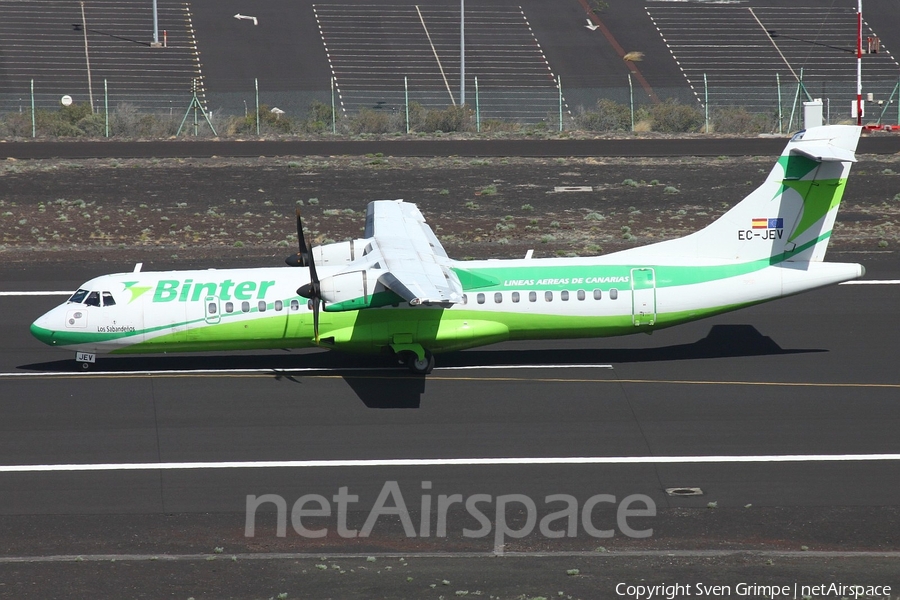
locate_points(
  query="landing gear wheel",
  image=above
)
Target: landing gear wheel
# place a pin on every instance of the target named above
(420, 367)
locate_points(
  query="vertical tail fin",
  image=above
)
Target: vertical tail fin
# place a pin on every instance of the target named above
(791, 214)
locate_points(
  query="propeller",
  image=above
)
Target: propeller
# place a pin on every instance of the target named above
(311, 290)
(302, 258)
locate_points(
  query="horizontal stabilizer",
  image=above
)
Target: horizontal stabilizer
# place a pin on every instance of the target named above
(823, 153)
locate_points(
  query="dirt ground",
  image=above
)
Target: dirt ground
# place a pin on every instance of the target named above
(197, 210)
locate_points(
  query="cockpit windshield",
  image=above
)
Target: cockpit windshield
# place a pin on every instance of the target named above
(88, 298)
(78, 297)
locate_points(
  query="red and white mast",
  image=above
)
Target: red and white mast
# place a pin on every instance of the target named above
(859, 114)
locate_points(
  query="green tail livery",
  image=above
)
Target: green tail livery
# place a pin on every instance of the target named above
(396, 290)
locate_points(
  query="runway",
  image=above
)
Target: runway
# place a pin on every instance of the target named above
(784, 416)
(804, 376)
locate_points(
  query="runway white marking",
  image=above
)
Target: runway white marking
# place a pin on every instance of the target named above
(290, 371)
(872, 282)
(69, 293)
(441, 462)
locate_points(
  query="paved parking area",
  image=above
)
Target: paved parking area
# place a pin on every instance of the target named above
(372, 47)
(741, 46)
(40, 42)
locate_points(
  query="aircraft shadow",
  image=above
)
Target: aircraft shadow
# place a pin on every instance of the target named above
(722, 341)
(379, 383)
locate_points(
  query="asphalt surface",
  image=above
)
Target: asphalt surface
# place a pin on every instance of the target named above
(809, 375)
(764, 146)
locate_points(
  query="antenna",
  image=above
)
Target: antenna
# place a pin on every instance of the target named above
(196, 105)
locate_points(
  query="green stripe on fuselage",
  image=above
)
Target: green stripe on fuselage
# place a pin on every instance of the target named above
(437, 329)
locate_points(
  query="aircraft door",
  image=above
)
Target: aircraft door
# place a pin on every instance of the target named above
(643, 296)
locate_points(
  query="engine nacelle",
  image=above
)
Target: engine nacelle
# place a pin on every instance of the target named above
(355, 290)
(346, 291)
(340, 253)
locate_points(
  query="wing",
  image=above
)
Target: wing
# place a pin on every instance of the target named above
(418, 268)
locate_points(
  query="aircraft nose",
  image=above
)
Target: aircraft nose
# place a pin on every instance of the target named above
(42, 329)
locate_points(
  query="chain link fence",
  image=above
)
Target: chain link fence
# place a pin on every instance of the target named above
(255, 109)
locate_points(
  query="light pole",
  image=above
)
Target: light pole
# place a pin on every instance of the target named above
(155, 43)
(462, 52)
(859, 63)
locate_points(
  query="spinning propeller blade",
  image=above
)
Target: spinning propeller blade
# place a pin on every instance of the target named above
(302, 258)
(310, 290)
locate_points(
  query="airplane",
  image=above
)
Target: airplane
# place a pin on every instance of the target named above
(395, 290)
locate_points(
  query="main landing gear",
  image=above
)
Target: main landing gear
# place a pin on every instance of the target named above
(420, 366)
(416, 358)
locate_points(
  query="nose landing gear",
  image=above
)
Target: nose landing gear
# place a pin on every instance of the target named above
(85, 359)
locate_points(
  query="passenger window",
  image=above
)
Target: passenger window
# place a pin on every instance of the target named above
(295, 305)
(229, 307)
(212, 308)
(309, 304)
(564, 295)
(261, 305)
(515, 296)
(279, 305)
(480, 298)
(498, 297)
(548, 296)
(532, 296)
(93, 299)
(598, 294)
(108, 300)
(465, 299)
(613, 293)
(580, 294)
(245, 306)
(78, 296)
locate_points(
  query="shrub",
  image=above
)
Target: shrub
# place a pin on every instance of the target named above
(75, 112)
(416, 117)
(17, 124)
(93, 125)
(671, 117)
(318, 118)
(607, 116)
(370, 121)
(280, 123)
(126, 121)
(452, 118)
